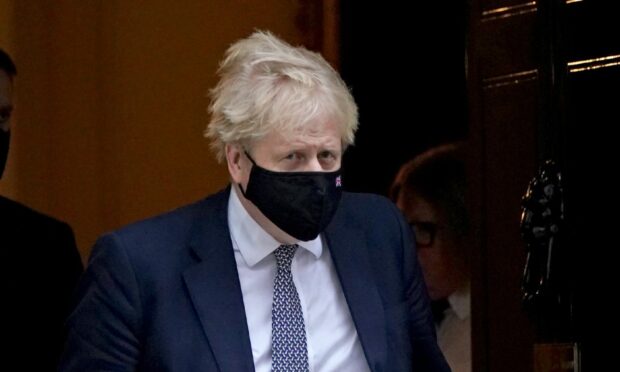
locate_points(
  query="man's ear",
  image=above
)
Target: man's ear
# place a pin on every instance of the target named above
(234, 161)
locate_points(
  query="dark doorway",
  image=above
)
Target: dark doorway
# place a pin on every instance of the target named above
(407, 73)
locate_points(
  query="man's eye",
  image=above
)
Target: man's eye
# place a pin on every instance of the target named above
(327, 155)
(293, 156)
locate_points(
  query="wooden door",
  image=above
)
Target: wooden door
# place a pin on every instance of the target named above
(542, 84)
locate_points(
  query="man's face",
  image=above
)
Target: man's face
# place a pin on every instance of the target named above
(6, 100)
(434, 243)
(316, 150)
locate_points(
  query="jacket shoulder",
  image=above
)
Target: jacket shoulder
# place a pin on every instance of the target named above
(372, 213)
(177, 217)
(18, 214)
(367, 206)
(167, 232)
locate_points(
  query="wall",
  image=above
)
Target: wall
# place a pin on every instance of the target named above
(7, 184)
(111, 103)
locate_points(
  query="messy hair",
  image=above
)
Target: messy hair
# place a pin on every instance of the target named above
(268, 85)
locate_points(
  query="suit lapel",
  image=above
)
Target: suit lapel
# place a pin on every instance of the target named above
(350, 255)
(215, 291)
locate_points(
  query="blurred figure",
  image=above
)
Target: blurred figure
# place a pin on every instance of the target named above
(430, 192)
(40, 266)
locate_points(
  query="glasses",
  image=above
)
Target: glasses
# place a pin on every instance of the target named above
(424, 232)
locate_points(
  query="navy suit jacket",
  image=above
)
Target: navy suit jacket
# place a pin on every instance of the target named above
(164, 294)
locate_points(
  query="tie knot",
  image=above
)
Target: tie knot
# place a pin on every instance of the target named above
(284, 254)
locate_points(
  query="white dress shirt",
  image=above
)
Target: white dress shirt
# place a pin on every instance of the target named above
(454, 333)
(333, 344)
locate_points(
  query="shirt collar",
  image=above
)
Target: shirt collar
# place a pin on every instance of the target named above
(460, 302)
(251, 240)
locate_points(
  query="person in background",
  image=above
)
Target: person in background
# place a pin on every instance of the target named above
(430, 191)
(40, 266)
(282, 270)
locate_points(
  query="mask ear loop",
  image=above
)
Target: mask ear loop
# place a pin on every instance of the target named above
(253, 163)
(249, 157)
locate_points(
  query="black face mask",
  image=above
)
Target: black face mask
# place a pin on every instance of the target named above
(4, 149)
(300, 203)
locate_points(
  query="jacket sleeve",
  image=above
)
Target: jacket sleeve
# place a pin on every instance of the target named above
(426, 355)
(103, 328)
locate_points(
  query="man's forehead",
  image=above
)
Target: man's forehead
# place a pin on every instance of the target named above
(416, 207)
(287, 139)
(309, 131)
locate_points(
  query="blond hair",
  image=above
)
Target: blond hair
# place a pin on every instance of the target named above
(268, 85)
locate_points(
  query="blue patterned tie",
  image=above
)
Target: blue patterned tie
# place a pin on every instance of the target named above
(288, 333)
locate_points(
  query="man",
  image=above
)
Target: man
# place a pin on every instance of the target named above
(279, 272)
(430, 191)
(40, 266)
